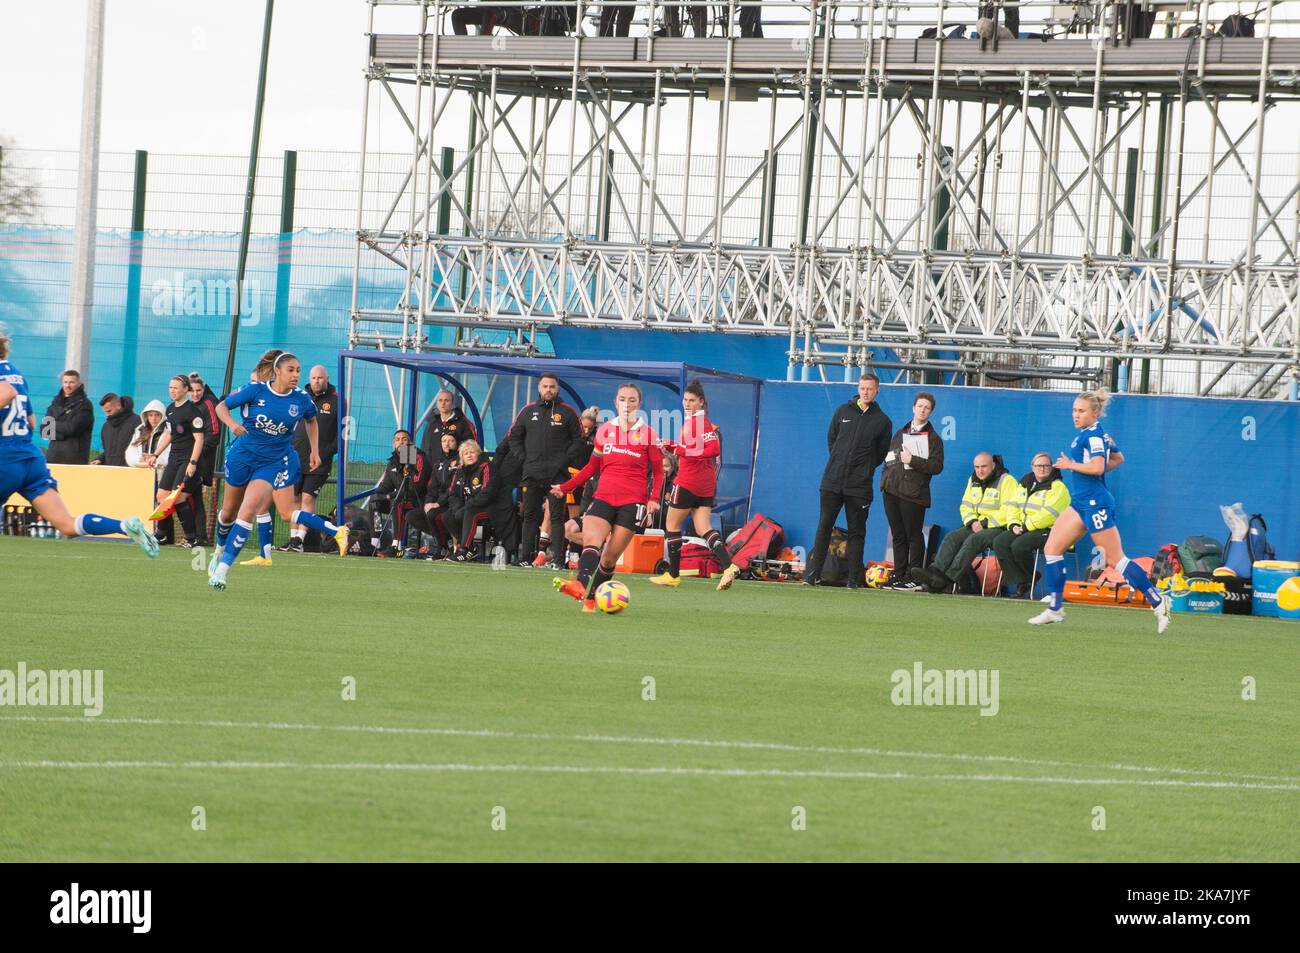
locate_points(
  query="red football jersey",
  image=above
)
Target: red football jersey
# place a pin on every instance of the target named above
(628, 461)
(698, 452)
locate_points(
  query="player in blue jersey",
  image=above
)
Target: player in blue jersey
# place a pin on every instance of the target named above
(262, 465)
(23, 470)
(1092, 510)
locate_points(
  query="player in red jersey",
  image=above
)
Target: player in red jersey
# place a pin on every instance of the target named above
(699, 451)
(631, 468)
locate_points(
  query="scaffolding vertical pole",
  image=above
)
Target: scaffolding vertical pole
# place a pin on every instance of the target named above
(1094, 147)
(720, 173)
(653, 178)
(1017, 305)
(1261, 110)
(1209, 194)
(818, 147)
(865, 119)
(539, 222)
(284, 260)
(640, 192)
(573, 132)
(1171, 300)
(997, 164)
(767, 210)
(135, 263)
(981, 162)
(430, 164)
(686, 173)
(361, 200)
(409, 238)
(491, 119)
(930, 141)
(1043, 159)
(82, 292)
(857, 310)
(839, 166)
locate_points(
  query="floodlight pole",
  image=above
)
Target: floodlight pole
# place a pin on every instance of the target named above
(82, 303)
(248, 204)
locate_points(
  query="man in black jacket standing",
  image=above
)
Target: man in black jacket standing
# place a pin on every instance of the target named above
(858, 441)
(118, 431)
(326, 398)
(541, 437)
(72, 416)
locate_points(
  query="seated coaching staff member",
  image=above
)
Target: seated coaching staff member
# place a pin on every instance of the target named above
(858, 441)
(326, 399)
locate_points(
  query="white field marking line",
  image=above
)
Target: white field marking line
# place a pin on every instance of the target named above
(633, 739)
(667, 770)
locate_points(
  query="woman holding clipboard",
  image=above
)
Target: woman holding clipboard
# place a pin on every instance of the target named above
(915, 455)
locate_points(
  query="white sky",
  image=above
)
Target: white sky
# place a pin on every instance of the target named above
(180, 75)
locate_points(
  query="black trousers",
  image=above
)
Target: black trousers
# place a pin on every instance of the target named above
(501, 511)
(906, 520)
(616, 21)
(431, 522)
(535, 493)
(855, 514)
(751, 20)
(675, 22)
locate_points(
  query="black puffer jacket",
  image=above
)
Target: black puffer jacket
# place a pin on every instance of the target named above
(444, 470)
(472, 486)
(542, 436)
(74, 420)
(858, 441)
(327, 430)
(457, 425)
(911, 482)
(117, 433)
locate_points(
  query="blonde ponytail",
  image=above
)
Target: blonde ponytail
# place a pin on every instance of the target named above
(1097, 399)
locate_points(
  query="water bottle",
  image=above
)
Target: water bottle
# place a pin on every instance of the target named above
(498, 557)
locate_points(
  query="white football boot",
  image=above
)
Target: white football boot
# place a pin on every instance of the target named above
(1048, 616)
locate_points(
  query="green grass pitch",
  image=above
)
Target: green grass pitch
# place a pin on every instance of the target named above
(485, 700)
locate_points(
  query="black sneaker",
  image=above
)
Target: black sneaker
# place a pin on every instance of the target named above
(938, 582)
(906, 586)
(293, 546)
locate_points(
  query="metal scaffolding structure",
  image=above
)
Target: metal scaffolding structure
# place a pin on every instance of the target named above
(1078, 203)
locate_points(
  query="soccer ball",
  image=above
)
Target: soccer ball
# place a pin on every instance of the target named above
(878, 576)
(612, 596)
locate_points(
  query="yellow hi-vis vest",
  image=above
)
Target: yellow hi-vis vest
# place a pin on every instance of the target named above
(994, 505)
(1040, 510)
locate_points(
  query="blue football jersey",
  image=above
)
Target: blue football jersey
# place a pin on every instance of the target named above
(270, 418)
(15, 429)
(1089, 444)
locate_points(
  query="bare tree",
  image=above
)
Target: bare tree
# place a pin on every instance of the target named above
(19, 196)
